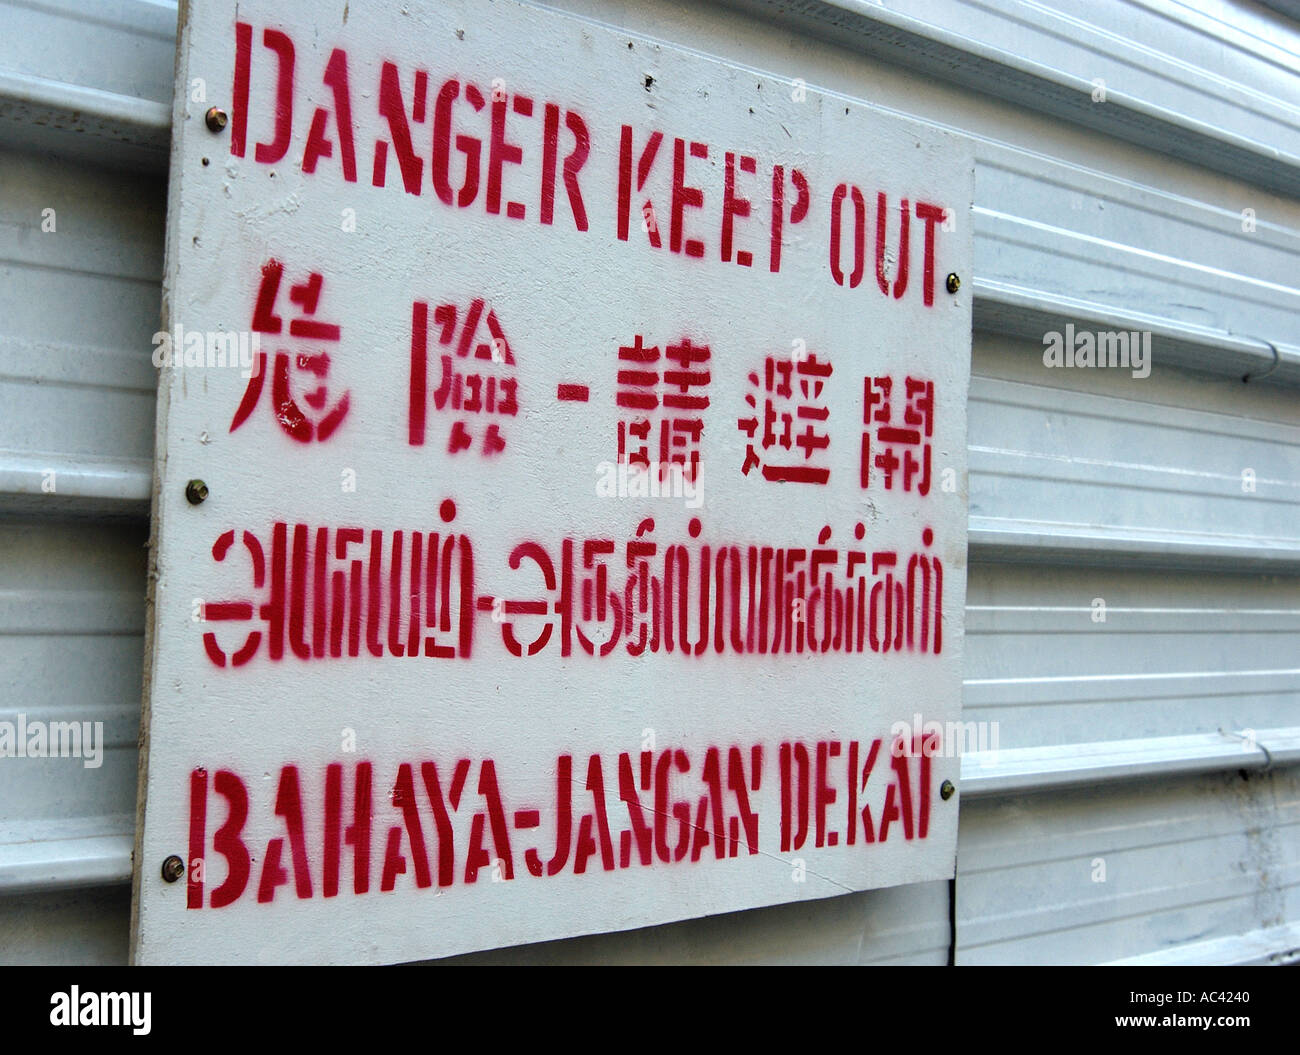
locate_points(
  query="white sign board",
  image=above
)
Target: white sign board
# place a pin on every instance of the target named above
(561, 510)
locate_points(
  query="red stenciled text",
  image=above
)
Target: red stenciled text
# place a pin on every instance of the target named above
(428, 824)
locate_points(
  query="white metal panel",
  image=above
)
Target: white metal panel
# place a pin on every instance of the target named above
(92, 78)
(120, 47)
(71, 644)
(1104, 873)
(1002, 771)
(1178, 653)
(1212, 92)
(1161, 465)
(80, 267)
(1265, 947)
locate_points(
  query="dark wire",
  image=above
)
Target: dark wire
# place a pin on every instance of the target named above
(952, 920)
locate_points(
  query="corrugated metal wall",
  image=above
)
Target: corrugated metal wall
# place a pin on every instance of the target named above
(1138, 168)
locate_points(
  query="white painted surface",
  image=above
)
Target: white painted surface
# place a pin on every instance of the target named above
(594, 706)
(1137, 869)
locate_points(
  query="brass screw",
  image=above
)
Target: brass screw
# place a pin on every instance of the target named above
(954, 283)
(947, 790)
(196, 491)
(173, 868)
(215, 118)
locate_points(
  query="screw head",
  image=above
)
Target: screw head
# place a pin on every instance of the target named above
(173, 868)
(954, 282)
(946, 790)
(196, 491)
(215, 119)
